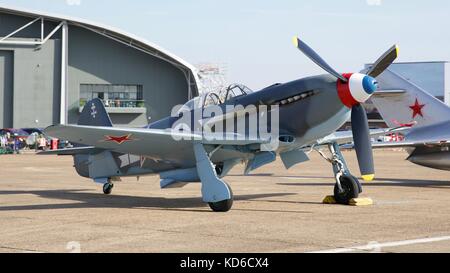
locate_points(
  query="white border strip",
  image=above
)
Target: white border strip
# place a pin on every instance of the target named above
(380, 246)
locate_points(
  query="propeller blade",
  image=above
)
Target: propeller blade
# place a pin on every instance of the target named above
(310, 53)
(384, 62)
(363, 145)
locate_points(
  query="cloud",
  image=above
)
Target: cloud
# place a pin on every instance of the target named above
(73, 2)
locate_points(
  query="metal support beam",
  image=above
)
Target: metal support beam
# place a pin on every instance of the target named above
(38, 41)
(20, 29)
(189, 86)
(42, 29)
(53, 32)
(64, 64)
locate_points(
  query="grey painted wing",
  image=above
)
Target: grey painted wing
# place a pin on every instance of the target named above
(158, 144)
(153, 143)
(72, 151)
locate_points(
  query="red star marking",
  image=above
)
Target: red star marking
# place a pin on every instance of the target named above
(119, 139)
(417, 109)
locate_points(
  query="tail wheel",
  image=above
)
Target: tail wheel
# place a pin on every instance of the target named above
(107, 188)
(350, 187)
(223, 206)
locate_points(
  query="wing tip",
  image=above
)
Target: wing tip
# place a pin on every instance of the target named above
(295, 41)
(397, 50)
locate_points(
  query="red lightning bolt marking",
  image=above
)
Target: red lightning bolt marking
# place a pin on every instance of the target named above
(417, 109)
(119, 139)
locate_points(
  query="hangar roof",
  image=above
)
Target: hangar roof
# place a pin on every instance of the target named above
(115, 33)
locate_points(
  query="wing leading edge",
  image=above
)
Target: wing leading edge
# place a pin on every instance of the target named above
(149, 142)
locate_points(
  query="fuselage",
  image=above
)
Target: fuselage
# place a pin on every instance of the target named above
(435, 158)
(431, 156)
(309, 109)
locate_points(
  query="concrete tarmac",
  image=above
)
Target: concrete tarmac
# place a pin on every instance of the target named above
(46, 207)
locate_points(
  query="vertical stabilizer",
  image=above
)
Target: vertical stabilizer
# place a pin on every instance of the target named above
(94, 114)
(401, 102)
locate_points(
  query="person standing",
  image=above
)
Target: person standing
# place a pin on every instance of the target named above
(42, 143)
(17, 142)
(3, 141)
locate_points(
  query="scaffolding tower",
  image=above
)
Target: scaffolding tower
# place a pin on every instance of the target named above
(213, 77)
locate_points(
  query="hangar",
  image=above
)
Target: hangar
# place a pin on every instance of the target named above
(50, 65)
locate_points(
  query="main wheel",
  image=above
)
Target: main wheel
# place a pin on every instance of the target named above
(223, 206)
(107, 188)
(350, 187)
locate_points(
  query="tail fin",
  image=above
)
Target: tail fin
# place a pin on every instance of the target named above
(94, 114)
(402, 102)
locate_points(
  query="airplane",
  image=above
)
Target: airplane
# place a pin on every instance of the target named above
(400, 101)
(306, 112)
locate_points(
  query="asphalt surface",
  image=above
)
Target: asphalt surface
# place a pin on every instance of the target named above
(46, 207)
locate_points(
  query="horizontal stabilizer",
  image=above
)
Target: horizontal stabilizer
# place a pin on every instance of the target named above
(392, 92)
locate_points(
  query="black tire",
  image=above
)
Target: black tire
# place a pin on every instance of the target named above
(107, 188)
(350, 185)
(360, 189)
(223, 206)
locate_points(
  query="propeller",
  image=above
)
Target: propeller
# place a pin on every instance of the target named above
(383, 62)
(354, 89)
(363, 145)
(310, 53)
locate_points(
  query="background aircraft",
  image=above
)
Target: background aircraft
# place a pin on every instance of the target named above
(401, 102)
(310, 109)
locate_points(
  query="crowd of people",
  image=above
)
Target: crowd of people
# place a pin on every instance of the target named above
(13, 144)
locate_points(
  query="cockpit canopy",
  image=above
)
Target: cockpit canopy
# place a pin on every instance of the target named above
(217, 98)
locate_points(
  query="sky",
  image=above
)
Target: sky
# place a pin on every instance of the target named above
(254, 37)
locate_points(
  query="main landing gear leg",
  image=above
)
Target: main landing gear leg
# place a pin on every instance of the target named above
(215, 192)
(347, 186)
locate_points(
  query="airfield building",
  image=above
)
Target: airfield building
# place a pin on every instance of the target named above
(51, 65)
